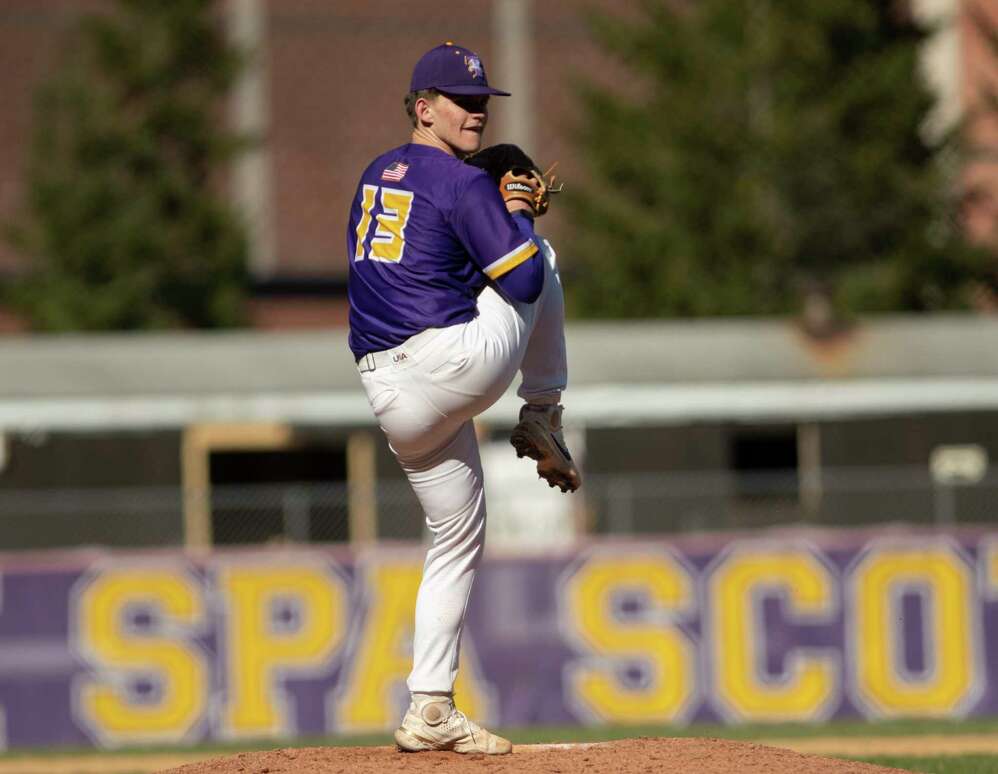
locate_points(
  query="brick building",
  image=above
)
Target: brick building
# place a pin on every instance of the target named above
(327, 92)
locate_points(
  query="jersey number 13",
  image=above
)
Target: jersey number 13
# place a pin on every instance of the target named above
(388, 242)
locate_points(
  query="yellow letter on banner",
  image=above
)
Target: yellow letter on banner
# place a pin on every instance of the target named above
(988, 555)
(808, 688)
(382, 656)
(650, 642)
(262, 648)
(126, 654)
(948, 683)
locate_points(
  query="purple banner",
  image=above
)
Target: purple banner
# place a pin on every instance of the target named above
(117, 649)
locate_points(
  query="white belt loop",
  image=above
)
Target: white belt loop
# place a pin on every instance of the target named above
(372, 361)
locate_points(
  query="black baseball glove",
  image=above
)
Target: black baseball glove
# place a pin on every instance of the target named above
(517, 176)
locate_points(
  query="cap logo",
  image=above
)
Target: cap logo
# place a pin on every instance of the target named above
(474, 65)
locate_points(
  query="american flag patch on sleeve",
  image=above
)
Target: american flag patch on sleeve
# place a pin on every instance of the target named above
(395, 171)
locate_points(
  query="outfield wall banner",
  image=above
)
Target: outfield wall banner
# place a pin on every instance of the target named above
(115, 649)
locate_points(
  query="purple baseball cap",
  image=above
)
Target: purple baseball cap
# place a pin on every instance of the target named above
(452, 70)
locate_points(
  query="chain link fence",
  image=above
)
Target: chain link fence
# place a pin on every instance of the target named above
(683, 502)
(608, 504)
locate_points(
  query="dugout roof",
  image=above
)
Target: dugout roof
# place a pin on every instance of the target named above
(621, 373)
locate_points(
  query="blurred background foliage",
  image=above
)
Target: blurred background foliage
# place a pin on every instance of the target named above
(126, 220)
(760, 153)
(755, 156)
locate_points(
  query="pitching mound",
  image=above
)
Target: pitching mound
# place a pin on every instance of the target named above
(681, 756)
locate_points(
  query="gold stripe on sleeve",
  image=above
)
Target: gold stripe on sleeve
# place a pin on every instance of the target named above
(511, 260)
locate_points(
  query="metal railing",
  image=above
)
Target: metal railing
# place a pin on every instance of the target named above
(608, 504)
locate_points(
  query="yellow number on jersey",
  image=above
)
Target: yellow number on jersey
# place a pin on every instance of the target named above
(388, 243)
(366, 203)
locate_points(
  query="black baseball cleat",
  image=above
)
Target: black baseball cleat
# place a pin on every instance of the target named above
(539, 436)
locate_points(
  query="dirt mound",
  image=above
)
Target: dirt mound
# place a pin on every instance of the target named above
(668, 756)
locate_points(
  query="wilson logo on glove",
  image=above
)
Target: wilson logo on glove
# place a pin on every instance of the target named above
(517, 176)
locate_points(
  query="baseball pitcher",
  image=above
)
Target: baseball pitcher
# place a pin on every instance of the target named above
(451, 294)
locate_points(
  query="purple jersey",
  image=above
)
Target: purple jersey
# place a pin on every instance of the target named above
(425, 231)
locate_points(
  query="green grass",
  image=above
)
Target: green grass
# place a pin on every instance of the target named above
(752, 732)
(957, 764)
(946, 764)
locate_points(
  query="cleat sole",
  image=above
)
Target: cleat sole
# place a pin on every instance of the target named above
(407, 743)
(525, 446)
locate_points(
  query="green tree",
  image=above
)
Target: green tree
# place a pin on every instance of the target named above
(124, 224)
(756, 150)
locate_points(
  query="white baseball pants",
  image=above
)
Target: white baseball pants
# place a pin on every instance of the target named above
(425, 394)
